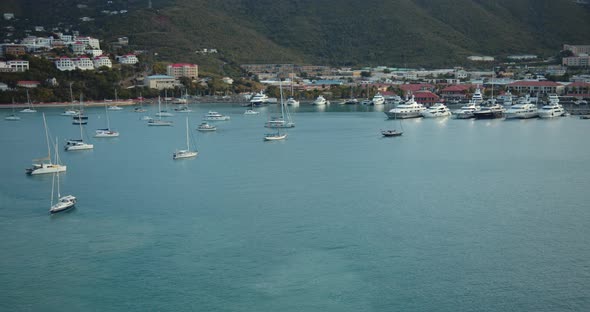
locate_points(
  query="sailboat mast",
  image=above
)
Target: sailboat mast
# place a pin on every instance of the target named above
(107, 115)
(28, 99)
(58, 192)
(47, 138)
(71, 94)
(282, 105)
(187, 145)
(80, 120)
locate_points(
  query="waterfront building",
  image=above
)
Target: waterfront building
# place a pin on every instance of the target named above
(179, 70)
(578, 89)
(455, 92)
(426, 98)
(160, 82)
(535, 87)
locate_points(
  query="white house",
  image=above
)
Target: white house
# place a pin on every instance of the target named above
(102, 60)
(89, 41)
(18, 65)
(64, 63)
(128, 59)
(160, 82)
(78, 48)
(94, 52)
(84, 63)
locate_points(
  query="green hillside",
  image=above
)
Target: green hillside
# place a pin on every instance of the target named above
(343, 32)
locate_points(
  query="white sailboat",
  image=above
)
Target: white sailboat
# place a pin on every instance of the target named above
(45, 164)
(63, 202)
(13, 116)
(78, 144)
(187, 153)
(29, 109)
(115, 107)
(291, 101)
(107, 132)
(283, 121)
(71, 111)
(164, 113)
(277, 136)
(139, 109)
(159, 121)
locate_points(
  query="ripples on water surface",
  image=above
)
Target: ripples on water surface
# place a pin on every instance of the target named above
(455, 215)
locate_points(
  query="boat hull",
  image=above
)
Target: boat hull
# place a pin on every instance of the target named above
(45, 169)
(184, 155)
(403, 115)
(488, 115)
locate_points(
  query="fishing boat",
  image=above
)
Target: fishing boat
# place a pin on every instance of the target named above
(45, 164)
(185, 153)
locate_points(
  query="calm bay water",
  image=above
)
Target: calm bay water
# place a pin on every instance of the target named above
(456, 215)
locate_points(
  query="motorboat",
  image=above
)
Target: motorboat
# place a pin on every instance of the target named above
(292, 102)
(351, 101)
(183, 109)
(12, 117)
(159, 122)
(552, 109)
(164, 113)
(114, 108)
(378, 99)
(523, 109)
(204, 126)
(489, 112)
(215, 116)
(279, 122)
(320, 100)
(259, 99)
(437, 110)
(106, 133)
(71, 112)
(466, 112)
(391, 133)
(409, 109)
(251, 112)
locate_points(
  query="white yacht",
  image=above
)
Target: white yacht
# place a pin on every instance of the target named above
(292, 102)
(409, 109)
(552, 109)
(466, 112)
(259, 99)
(320, 100)
(215, 116)
(378, 99)
(71, 112)
(523, 109)
(251, 112)
(437, 110)
(114, 108)
(204, 126)
(477, 97)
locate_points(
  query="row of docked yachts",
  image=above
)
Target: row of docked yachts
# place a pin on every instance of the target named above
(523, 109)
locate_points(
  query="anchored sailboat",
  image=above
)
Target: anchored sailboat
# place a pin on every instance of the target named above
(187, 153)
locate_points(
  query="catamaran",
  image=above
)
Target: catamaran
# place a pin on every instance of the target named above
(45, 164)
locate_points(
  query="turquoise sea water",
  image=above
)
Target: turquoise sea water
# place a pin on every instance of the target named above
(455, 215)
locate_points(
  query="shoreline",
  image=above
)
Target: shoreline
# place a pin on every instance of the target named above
(66, 104)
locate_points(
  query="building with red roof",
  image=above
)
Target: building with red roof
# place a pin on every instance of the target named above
(535, 87)
(455, 92)
(414, 87)
(578, 89)
(425, 97)
(178, 70)
(28, 83)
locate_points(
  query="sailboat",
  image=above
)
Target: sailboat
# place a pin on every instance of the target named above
(159, 121)
(107, 132)
(164, 113)
(45, 165)
(63, 202)
(71, 111)
(30, 105)
(140, 109)
(283, 121)
(13, 116)
(115, 107)
(393, 132)
(183, 101)
(187, 153)
(291, 101)
(277, 136)
(78, 144)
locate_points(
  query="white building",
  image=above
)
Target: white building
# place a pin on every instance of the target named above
(476, 58)
(78, 48)
(8, 16)
(160, 82)
(64, 63)
(89, 41)
(102, 60)
(18, 65)
(227, 80)
(94, 52)
(128, 59)
(3, 86)
(84, 63)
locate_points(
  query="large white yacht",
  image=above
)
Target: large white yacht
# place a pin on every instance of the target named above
(409, 109)
(259, 99)
(378, 99)
(437, 110)
(215, 116)
(523, 109)
(477, 97)
(320, 100)
(552, 109)
(292, 102)
(466, 112)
